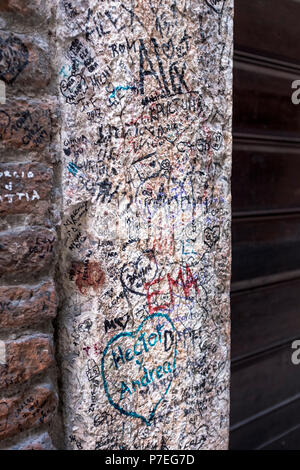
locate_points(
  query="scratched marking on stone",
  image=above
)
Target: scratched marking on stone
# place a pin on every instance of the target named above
(2, 352)
(2, 92)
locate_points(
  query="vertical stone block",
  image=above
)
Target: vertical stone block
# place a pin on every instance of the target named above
(145, 92)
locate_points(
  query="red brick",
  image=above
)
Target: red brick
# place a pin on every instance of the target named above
(25, 359)
(24, 65)
(27, 306)
(26, 411)
(24, 186)
(25, 125)
(24, 7)
(29, 251)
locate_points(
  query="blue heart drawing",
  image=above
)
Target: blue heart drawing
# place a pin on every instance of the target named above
(120, 357)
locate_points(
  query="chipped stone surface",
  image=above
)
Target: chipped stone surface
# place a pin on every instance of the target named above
(145, 90)
(42, 442)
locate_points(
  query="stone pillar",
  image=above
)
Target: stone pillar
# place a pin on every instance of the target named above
(145, 95)
(28, 229)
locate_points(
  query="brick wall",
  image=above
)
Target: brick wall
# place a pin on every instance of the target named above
(29, 217)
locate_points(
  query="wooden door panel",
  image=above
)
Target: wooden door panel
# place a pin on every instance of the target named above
(261, 382)
(262, 181)
(265, 385)
(288, 441)
(262, 428)
(264, 104)
(264, 317)
(270, 27)
(265, 246)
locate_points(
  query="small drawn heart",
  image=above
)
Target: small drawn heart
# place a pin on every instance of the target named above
(211, 235)
(216, 5)
(13, 58)
(137, 367)
(135, 274)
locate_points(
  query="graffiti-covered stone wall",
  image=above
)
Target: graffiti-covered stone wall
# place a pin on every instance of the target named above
(145, 97)
(29, 225)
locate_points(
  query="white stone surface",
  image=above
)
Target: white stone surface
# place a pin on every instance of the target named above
(146, 150)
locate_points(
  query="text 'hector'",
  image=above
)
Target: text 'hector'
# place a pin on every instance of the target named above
(137, 367)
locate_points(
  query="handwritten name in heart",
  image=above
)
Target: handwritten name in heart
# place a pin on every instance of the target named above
(137, 367)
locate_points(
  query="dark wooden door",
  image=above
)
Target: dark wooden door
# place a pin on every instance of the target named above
(265, 385)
